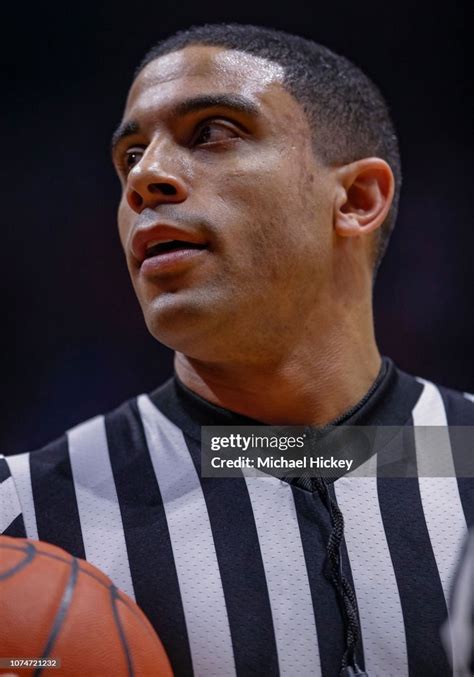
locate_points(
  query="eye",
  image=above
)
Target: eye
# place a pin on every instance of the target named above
(131, 157)
(214, 132)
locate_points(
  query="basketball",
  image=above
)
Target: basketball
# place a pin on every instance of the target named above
(64, 612)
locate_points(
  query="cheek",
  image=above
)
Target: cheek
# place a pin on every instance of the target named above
(252, 189)
(273, 210)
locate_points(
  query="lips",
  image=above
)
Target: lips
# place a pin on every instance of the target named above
(162, 239)
(158, 248)
(165, 250)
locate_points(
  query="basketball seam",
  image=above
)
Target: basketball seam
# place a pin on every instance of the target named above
(61, 613)
(113, 597)
(121, 596)
(30, 552)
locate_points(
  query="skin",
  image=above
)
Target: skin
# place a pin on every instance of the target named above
(274, 320)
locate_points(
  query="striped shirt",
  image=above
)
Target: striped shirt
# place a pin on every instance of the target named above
(458, 631)
(232, 572)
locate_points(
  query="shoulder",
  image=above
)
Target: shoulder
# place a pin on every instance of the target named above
(116, 432)
(91, 434)
(459, 406)
(51, 474)
(408, 398)
(430, 403)
(121, 428)
(443, 405)
(11, 521)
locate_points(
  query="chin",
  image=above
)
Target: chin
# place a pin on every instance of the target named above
(181, 324)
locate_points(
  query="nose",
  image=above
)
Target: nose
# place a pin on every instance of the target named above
(150, 184)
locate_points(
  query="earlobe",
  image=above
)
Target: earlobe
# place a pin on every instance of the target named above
(365, 194)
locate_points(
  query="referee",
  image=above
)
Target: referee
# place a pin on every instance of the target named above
(260, 181)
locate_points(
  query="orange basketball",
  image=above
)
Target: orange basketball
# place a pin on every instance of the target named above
(56, 607)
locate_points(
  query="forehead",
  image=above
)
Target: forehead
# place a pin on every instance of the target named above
(200, 69)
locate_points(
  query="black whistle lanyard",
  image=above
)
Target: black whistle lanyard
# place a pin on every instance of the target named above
(349, 667)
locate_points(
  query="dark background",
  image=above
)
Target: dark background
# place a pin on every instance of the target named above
(73, 340)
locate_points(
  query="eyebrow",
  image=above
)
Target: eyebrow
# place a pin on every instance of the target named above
(123, 130)
(235, 102)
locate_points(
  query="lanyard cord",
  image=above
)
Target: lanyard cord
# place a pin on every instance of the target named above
(343, 587)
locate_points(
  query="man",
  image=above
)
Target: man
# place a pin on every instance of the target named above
(260, 176)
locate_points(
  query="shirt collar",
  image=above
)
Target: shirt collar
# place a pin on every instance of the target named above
(389, 401)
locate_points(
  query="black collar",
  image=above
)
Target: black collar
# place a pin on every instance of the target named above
(389, 402)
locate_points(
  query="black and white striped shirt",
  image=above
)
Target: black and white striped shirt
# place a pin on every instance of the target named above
(458, 631)
(232, 572)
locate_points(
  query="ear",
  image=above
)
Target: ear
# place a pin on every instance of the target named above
(363, 197)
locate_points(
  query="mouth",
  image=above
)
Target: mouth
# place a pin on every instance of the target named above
(167, 258)
(154, 249)
(164, 249)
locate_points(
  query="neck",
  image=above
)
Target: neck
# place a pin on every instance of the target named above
(311, 384)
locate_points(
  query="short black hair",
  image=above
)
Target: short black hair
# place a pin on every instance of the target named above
(347, 113)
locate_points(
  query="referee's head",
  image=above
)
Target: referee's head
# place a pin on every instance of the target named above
(260, 176)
